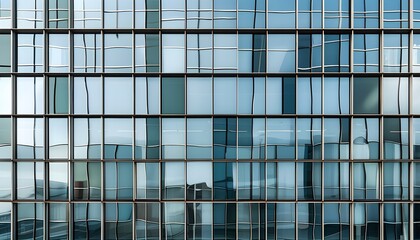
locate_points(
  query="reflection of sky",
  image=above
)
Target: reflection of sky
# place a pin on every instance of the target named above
(26, 131)
(199, 172)
(58, 131)
(118, 131)
(58, 172)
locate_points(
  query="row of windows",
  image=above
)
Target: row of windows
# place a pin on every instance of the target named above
(207, 95)
(207, 53)
(206, 138)
(197, 180)
(198, 14)
(211, 221)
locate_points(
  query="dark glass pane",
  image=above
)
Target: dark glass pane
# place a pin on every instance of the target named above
(366, 95)
(173, 95)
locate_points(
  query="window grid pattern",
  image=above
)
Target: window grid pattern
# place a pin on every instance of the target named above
(209, 119)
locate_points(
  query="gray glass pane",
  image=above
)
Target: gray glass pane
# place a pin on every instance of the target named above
(58, 13)
(5, 46)
(173, 47)
(30, 53)
(5, 138)
(199, 95)
(30, 180)
(87, 181)
(173, 138)
(30, 14)
(365, 95)
(5, 12)
(58, 95)
(173, 181)
(173, 95)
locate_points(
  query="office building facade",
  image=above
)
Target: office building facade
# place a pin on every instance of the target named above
(210, 119)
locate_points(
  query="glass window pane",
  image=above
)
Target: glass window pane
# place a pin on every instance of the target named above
(118, 13)
(224, 181)
(5, 138)
(118, 221)
(309, 95)
(336, 138)
(285, 220)
(86, 220)
(6, 95)
(173, 47)
(30, 180)
(199, 53)
(366, 220)
(58, 14)
(366, 52)
(5, 181)
(147, 95)
(58, 138)
(251, 93)
(199, 180)
(173, 14)
(310, 12)
(309, 138)
(309, 220)
(336, 181)
(281, 138)
(87, 52)
(281, 14)
(251, 14)
(225, 95)
(225, 13)
(87, 138)
(366, 13)
(336, 220)
(281, 53)
(309, 178)
(173, 95)
(395, 52)
(147, 138)
(173, 180)
(118, 52)
(199, 220)
(58, 52)
(58, 220)
(146, 13)
(365, 95)
(365, 138)
(58, 95)
(224, 221)
(225, 51)
(30, 53)
(118, 95)
(29, 95)
(309, 52)
(58, 181)
(5, 12)
(336, 52)
(87, 13)
(118, 138)
(30, 220)
(148, 181)
(396, 92)
(199, 95)
(199, 138)
(395, 138)
(148, 220)
(415, 134)
(30, 14)
(5, 46)
(395, 13)
(147, 53)
(173, 138)
(366, 181)
(224, 138)
(199, 14)
(118, 180)
(337, 14)
(336, 95)
(87, 181)
(87, 98)
(30, 138)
